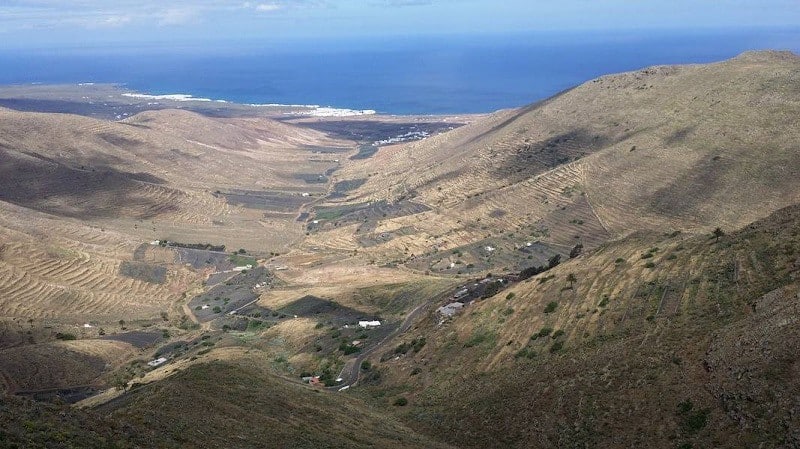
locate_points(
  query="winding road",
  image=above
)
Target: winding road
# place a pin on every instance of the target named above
(352, 368)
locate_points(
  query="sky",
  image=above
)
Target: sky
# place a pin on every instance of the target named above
(59, 23)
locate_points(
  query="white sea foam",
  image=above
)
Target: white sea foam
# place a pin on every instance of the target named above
(173, 97)
(335, 112)
(313, 110)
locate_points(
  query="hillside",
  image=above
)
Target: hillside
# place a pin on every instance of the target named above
(661, 340)
(183, 275)
(679, 147)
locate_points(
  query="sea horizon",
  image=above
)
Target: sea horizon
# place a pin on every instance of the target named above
(428, 75)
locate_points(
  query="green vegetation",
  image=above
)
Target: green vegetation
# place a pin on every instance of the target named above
(348, 348)
(692, 420)
(551, 307)
(400, 402)
(481, 337)
(65, 336)
(240, 260)
(544, 332)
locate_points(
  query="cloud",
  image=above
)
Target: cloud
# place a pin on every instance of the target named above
(177, 16)
(268, 7)
(405, 2)
(114, 21)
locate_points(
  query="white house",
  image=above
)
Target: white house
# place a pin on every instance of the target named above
(369, 324)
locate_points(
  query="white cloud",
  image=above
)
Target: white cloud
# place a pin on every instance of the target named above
(177, 16)
(267, 7)
(115, 21)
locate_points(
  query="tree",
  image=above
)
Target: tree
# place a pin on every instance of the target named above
(717, 233)
(571, 279)
(576, 250)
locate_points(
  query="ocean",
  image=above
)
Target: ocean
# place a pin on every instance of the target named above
(400, 75)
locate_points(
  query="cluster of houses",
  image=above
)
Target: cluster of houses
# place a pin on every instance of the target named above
(465, 295)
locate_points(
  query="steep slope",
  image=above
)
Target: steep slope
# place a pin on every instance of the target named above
(237, 403)
(659, 341)
(679, 147)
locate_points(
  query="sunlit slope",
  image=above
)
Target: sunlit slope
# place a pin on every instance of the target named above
(674, 147)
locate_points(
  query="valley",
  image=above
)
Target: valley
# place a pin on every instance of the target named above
(615, 266)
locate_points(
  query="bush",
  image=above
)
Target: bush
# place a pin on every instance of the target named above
(401, 401)
(650, 265)
(348, 349)
(65, 336)
(216, 309)
(557, 346)
(551, 307)
(366, 365)
(558, 333)
(510, 295)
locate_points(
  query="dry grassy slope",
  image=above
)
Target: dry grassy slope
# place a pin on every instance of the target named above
(58, 272)
(715, 323)
(154, 175)
(79, 195)
(238, 403)
(39, 425)
(61, 364)
(715, 145)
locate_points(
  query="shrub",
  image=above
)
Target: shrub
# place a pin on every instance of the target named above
(65, 336)
(551, 307)
(558, 333)
(216, 309)
(349, 349)
(692, 420)
(510, 295)
(401, 401)
(366, 365)
(650, 265)
(619, 260)
(557, 346)
(604, 301)
(542, 333)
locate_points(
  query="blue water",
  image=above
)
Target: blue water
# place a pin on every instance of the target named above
(425, 75)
